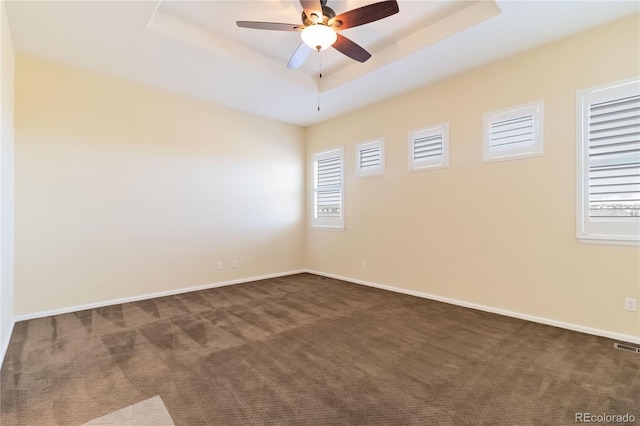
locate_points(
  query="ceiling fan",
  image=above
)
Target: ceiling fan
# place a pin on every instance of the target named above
(320, 25)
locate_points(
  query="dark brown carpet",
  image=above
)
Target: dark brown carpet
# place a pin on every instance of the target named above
(308, 350)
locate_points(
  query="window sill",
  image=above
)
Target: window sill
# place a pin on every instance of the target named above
(327, 228)
(609, 241)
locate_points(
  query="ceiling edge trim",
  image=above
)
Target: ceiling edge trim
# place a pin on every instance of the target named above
(454, 23)
(169, 25)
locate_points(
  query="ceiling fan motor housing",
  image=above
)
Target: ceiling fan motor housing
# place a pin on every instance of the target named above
(327, 13)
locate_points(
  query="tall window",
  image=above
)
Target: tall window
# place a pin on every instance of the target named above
(328, 189)
(608, 163)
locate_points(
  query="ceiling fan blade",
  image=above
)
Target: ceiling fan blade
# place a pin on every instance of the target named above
(365, 14)
(299, 56)
(351, 49)
(311, 6)
(275, 26)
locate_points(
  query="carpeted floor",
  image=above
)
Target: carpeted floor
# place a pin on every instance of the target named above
(308, 350)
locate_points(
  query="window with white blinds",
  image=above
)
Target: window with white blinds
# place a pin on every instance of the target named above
(608, 146)
(328, 189)
(513, 133)
(429, 148)
(370, 158)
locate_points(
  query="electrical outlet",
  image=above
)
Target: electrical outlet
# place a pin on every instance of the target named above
(631, 304)
(364, 264)
(234, 263)
(219, 265)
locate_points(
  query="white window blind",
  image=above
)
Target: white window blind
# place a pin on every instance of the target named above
(370, 158)
(609, 162)
(429, 148)
(513, 133)
(510, 133)
(328, 189)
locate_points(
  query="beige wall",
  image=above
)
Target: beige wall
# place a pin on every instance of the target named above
(122, 190)
(7, 140)
(502, 235)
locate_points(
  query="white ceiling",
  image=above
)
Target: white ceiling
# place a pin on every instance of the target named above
(195, 48)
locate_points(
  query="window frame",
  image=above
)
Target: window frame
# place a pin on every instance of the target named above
(429, 164)
(534, 149)
(601, 230)
(320, 223)
(370, 144)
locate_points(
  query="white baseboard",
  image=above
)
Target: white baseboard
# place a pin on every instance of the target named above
(5, 344)
(140, 297)
(532, 318)
(527, 317)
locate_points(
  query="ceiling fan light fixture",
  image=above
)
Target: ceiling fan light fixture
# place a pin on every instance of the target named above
(318, 36)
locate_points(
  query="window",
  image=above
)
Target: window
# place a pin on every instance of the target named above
(513, 133)
(328, 189)
(608, 163)
(429, 148)
(370, 158)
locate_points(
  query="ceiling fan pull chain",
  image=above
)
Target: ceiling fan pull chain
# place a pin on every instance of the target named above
(319, 77)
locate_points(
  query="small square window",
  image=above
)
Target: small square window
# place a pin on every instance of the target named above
(513, 133)
(429, 148)
(370, 158)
